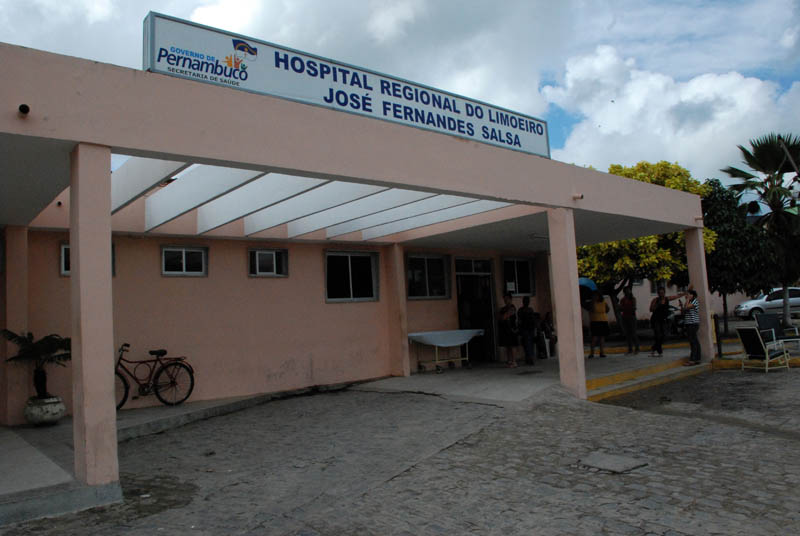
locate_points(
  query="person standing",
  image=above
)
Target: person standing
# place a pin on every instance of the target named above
(659, 312)
(691, 322)
(628, 307)
(599, 324)
(547, 335)
(507, 329)
(528, 321)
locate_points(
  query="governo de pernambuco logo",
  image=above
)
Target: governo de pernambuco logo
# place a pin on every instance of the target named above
(241, 51)
(195, 64)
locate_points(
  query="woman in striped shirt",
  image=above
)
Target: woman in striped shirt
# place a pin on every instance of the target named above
(691, 322)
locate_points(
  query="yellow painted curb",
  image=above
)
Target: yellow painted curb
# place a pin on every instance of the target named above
(691, 371)
(672, 346)
(736, 364)
(611, 379)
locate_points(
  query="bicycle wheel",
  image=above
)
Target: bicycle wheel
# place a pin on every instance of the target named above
(121, 389)
(174, 383)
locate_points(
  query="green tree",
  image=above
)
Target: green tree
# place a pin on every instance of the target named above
(741, 257)
(615, 265)
(770, 157)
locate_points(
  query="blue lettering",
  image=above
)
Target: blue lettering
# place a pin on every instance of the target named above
(324, 69)
(311, 68)
(396, 90)
(281, 59)
(298, 65)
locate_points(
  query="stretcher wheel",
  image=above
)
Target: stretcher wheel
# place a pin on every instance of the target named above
(439, 369)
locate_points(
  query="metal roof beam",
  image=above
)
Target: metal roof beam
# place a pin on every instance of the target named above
(137, 176)
(195, 187)
(253, 196)
(453, 213)
(316, 200)
(431, 204)
(365, 206)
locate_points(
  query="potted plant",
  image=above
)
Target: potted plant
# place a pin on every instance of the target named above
(43, 408)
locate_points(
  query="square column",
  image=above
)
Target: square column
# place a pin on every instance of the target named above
(696, 263)
(565, 296)
(400, 362)
(16, 379)
(94, 411)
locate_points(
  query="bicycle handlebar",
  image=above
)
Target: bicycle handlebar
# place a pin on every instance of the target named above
(124, 347)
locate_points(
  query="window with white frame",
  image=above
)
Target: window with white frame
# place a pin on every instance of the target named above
(65, 264)
(351, 276)
(268, 262)
(518, 277)
(64, 260)
(184, 261)
(427, 276)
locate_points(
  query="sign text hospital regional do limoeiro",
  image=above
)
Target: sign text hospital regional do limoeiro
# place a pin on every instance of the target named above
(187, 50)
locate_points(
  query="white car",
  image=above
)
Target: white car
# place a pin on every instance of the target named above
(769, 303)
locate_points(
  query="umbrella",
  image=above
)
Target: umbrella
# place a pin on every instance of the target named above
(587, 287)
(588, 283)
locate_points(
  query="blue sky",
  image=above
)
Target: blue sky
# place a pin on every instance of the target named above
(618, 81)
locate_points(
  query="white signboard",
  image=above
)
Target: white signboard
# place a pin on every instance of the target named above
(187, 50)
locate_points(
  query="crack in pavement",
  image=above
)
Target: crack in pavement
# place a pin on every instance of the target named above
(730, 421)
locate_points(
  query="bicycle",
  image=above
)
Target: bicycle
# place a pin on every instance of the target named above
(170, 378)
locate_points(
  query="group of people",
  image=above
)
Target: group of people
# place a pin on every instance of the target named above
(659, 313)
(524, 326)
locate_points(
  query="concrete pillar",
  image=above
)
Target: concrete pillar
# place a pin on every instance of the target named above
(696, 262)
(94, 412)
(400, 362)
(566, 299)
(16, 379)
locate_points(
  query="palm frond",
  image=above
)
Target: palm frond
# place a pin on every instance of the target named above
(738, 173)
(19, 340)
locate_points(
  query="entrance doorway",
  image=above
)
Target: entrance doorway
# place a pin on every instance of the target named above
(475, 295)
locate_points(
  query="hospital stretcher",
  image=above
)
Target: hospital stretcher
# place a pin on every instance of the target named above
(445, 339)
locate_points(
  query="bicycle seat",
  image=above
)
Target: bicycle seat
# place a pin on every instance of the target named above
(158, 353)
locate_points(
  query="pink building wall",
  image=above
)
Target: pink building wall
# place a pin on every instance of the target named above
(243, 335)
(246, 335)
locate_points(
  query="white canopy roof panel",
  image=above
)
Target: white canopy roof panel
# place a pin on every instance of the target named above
(460, 211)
(253, 196)
(372, 204)
(316, 200)
(196, 186)
(137, 176)
(431, 204)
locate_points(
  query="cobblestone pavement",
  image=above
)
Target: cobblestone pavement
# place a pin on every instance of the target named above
(355, 463)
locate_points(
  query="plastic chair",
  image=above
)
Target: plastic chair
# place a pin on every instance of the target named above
(771, 354)
(769, 324)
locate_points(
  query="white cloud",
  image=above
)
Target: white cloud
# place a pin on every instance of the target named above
(631, 114)
(232, 15)
(652, 58)
(389, 19)
(789, 38)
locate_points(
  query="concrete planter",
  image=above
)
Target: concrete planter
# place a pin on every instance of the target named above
(44, 411)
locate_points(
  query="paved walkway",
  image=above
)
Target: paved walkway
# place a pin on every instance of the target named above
(357, 462)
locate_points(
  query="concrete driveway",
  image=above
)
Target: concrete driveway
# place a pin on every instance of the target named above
(356, 462)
